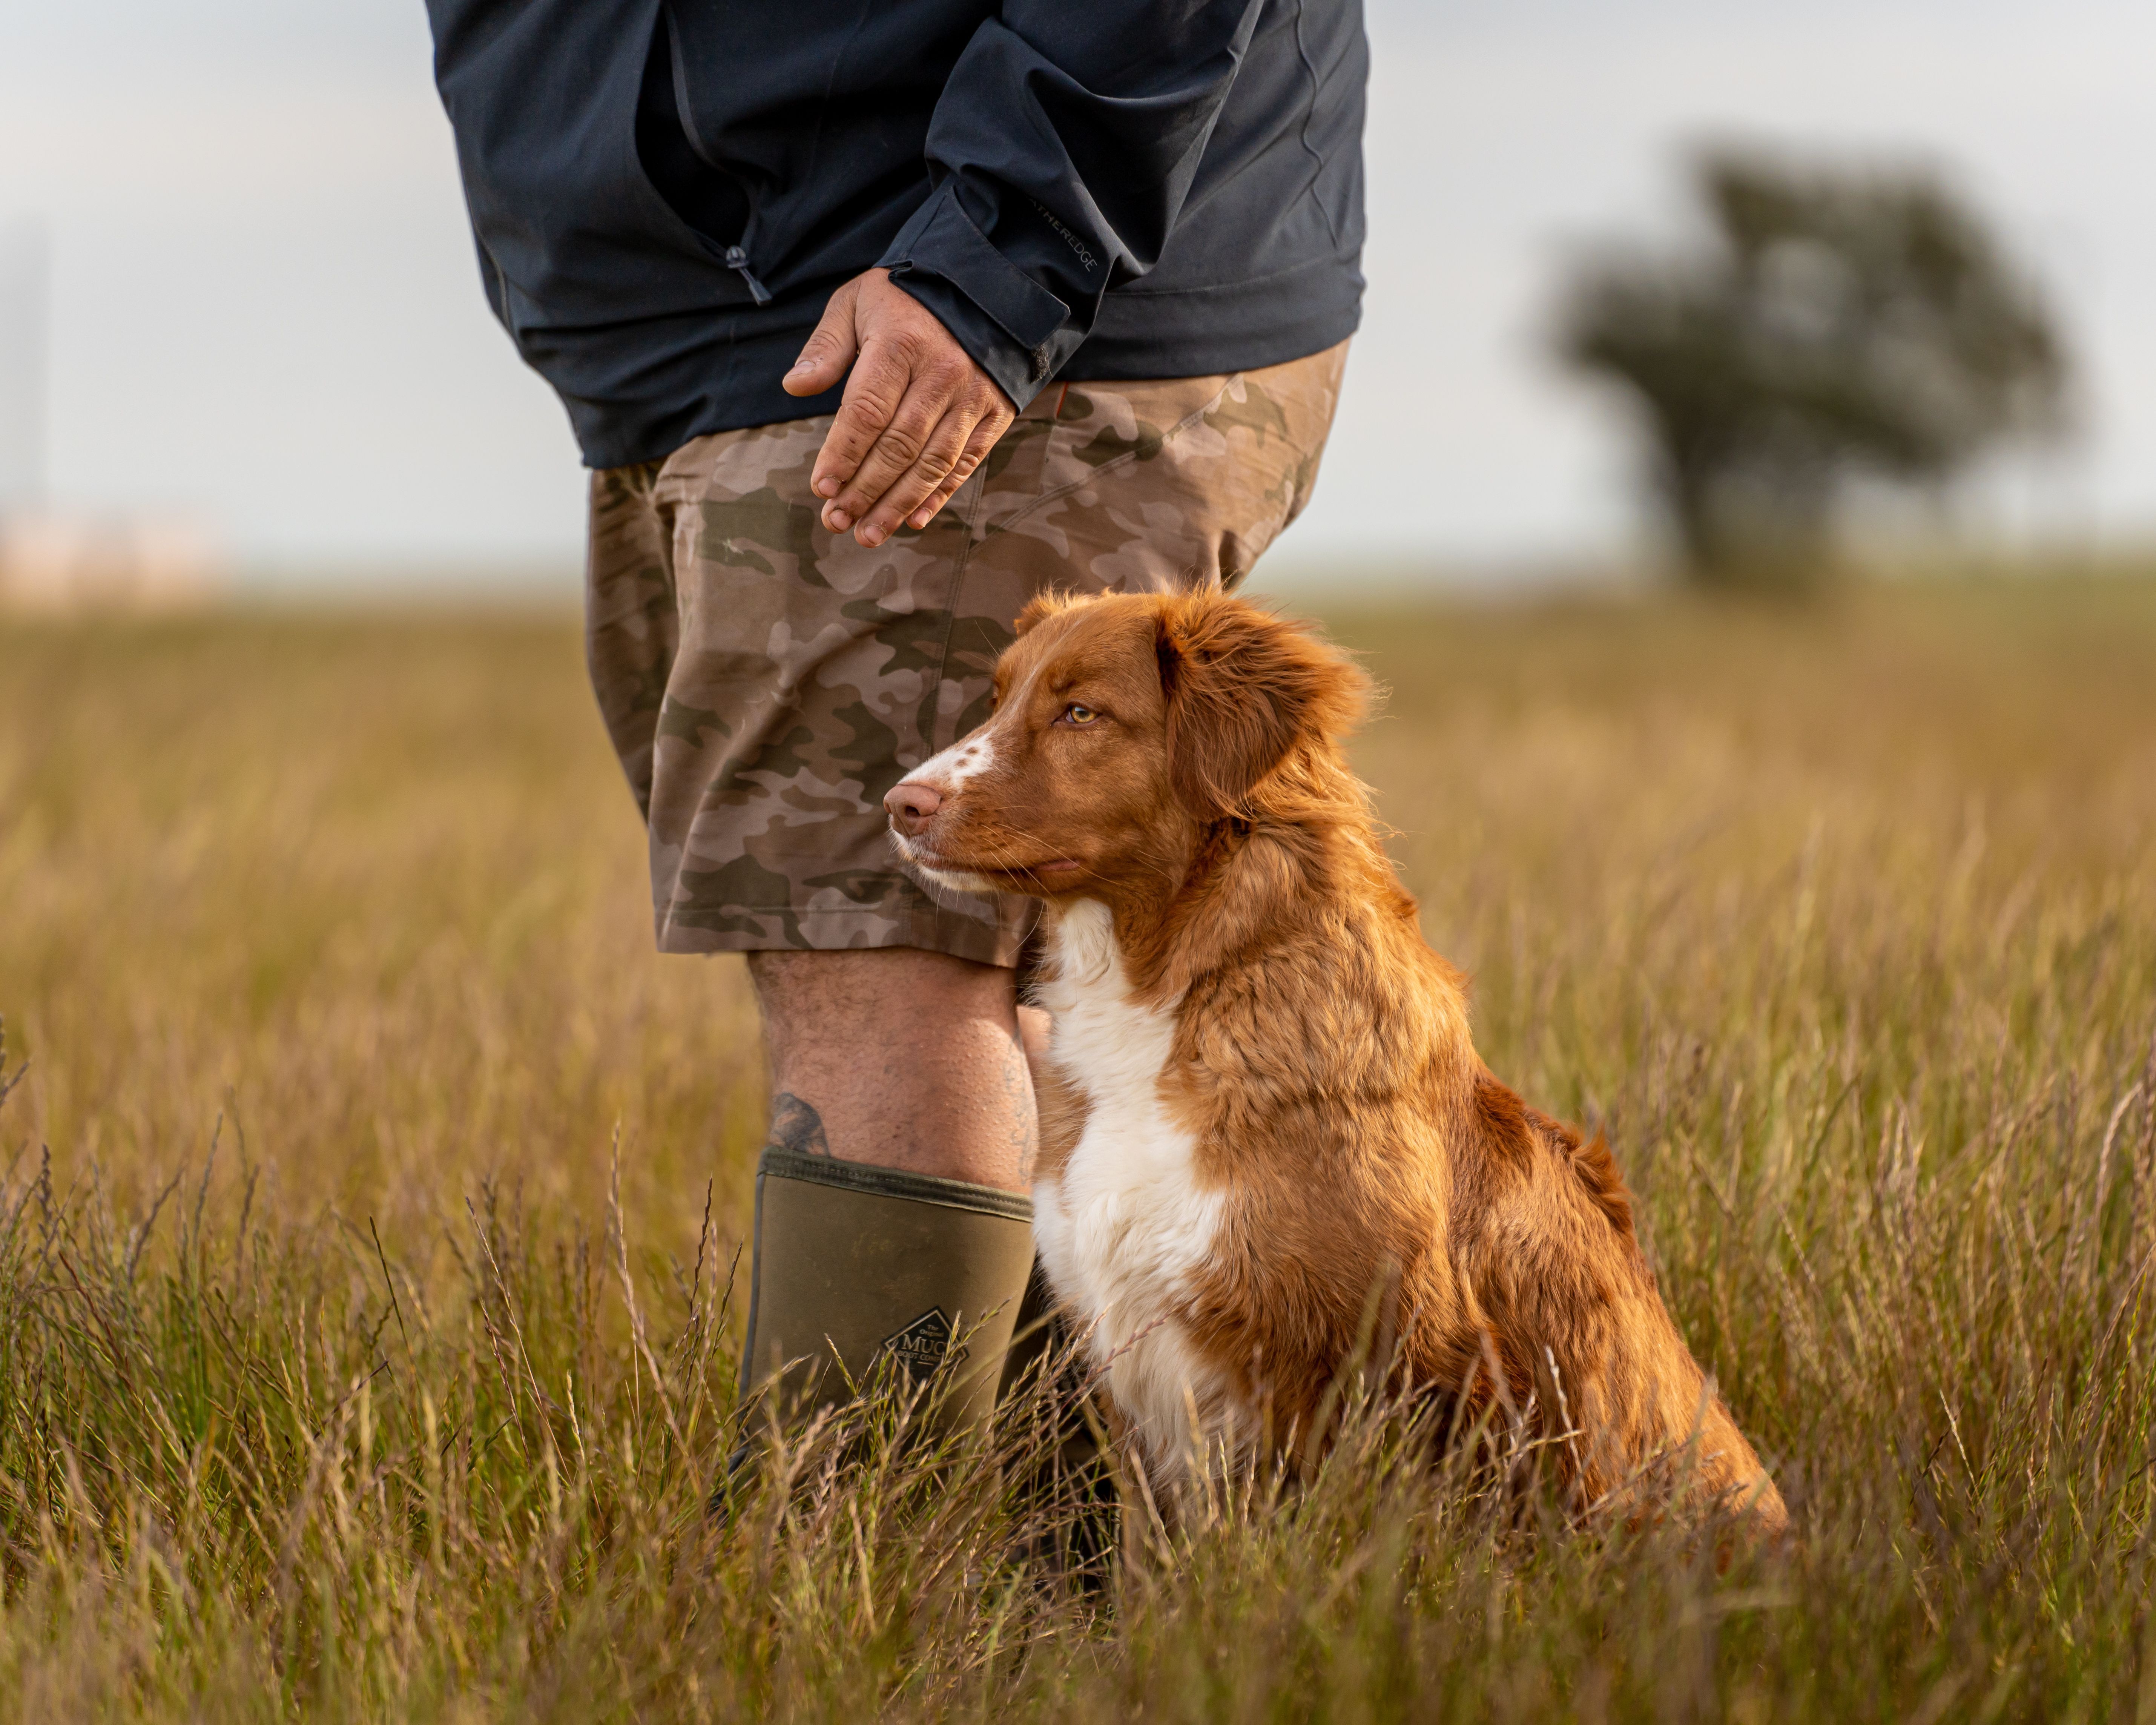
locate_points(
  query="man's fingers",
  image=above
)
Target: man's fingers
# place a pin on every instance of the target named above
(830, 349)
(985, 436)
(914, 485)
(873, 395)
(904, 439)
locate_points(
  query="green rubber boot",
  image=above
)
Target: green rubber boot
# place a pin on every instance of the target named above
(855, 1264)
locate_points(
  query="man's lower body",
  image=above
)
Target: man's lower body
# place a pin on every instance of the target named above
(765, 682)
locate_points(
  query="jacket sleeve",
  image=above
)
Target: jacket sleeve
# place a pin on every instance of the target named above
(1061, 151)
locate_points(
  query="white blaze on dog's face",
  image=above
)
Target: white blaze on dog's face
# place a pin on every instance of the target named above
(1121, 725)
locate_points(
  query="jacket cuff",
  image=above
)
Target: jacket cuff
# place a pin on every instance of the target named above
(1004, 319)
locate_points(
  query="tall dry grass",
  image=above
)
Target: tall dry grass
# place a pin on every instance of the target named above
(347, 1368)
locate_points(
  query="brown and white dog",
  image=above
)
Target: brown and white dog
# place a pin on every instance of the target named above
(1261, 1103)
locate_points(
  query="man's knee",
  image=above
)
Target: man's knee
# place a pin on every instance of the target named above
(890, 992)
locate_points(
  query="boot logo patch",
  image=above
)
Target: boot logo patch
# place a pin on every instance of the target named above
(924, 1344)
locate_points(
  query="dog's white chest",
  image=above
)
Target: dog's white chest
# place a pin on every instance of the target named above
(1126, 1227)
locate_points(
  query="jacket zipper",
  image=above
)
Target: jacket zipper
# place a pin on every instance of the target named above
(737, 261)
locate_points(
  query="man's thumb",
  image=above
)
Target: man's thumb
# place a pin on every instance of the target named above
(831, 349)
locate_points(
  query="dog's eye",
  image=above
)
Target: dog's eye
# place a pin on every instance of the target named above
(1078, 713)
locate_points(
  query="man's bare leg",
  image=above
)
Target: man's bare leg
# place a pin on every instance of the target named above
(900, 1058)
(1033, 1025)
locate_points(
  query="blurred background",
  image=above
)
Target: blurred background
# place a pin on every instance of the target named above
(242, 341)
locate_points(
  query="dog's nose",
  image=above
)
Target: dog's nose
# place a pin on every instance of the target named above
(911, 805)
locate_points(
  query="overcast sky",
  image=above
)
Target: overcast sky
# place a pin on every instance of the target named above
(266, 311)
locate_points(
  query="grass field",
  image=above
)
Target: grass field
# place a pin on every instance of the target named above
(372, 1191)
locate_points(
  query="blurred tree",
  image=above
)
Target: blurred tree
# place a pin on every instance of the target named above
(1833, 324)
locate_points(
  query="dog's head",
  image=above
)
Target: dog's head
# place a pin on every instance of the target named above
(1124, 727)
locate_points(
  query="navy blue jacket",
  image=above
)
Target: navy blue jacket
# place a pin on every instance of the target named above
(666, 191)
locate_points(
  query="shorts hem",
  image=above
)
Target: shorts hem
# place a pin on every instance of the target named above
(926, 928)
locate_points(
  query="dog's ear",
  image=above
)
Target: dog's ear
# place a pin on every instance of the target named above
(1043, 604)
(1243, 688)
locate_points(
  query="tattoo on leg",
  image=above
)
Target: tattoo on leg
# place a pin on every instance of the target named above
(797, 1127)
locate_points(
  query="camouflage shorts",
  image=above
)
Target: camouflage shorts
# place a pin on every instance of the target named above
(765, 682)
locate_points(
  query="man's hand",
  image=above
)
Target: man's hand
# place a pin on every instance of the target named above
(917, 417)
